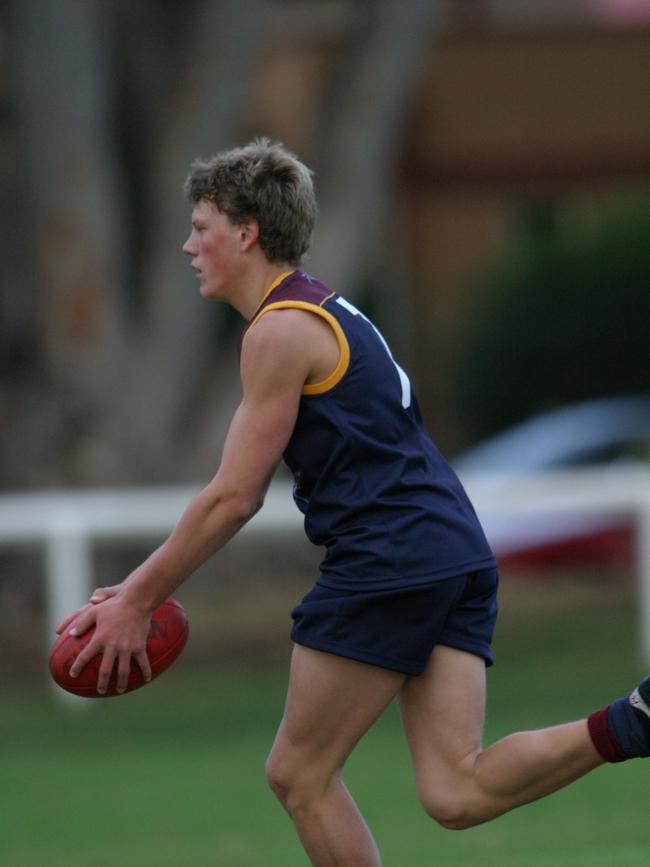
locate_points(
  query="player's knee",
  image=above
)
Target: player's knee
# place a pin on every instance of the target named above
(278, 778)
(448, 810)
(285, 780)
(295, 786)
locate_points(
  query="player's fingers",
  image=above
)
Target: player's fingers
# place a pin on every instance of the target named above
(63, 625)
(86, 617)
(101, 594)
(75, 616)
(145, 667)
(123, 671)
(84, 656)
(106, 669)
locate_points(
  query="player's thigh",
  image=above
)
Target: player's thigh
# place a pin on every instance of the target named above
(331, 702)
(443, 713)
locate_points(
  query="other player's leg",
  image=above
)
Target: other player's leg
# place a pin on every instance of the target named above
(331, 702)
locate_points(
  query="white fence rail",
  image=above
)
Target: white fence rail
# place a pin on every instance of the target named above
(515, 510)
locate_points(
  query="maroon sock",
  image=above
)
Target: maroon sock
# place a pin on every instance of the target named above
(602, 737)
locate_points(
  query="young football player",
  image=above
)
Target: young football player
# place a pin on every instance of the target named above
(405, 603)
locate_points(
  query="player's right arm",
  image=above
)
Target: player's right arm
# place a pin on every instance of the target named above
(279, 355)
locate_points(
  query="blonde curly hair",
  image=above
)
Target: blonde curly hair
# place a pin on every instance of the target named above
(263, 181)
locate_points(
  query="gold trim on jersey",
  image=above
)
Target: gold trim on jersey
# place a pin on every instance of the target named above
(344, 347)
(274, 285)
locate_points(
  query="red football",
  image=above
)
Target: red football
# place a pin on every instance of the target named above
(167, 637)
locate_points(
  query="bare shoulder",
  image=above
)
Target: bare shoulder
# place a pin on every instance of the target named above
(290, 336)
(292, 326)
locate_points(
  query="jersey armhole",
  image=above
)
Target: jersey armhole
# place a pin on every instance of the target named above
(344, 347)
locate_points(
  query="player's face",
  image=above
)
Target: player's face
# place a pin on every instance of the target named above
(215, 247)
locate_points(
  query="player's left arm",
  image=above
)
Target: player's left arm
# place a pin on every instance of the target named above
(279, 355)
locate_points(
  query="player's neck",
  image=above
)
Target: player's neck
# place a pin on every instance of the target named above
(257, 286)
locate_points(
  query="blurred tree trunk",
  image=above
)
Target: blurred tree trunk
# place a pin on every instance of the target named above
(127, 376)
(73, 186)
(132, 373)
(203, 115)
(363, 137)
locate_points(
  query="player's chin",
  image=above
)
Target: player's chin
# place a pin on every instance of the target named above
(210, 291)
(207, 292)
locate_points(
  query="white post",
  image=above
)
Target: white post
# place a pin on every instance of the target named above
(643, 530)
(68, 570)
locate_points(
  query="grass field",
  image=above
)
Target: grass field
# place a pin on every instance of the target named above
(172, 776)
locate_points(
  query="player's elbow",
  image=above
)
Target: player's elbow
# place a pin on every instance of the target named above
(241, 505)
(227, 507)
(249, 506)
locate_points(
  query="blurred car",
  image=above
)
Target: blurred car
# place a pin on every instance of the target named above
(613, 431)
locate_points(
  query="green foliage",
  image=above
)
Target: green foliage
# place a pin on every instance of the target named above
(564, 317)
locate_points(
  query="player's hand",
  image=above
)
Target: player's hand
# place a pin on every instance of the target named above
(121, 631)
(101, 594)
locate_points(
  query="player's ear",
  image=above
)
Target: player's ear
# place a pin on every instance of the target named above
(249, 232)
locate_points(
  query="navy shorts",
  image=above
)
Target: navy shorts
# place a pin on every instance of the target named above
(398, 629)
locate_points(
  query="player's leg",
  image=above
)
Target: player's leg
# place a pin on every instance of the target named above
(331, 702)
(459, 783)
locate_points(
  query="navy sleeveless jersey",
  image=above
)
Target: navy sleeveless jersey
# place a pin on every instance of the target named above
(374, 489)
